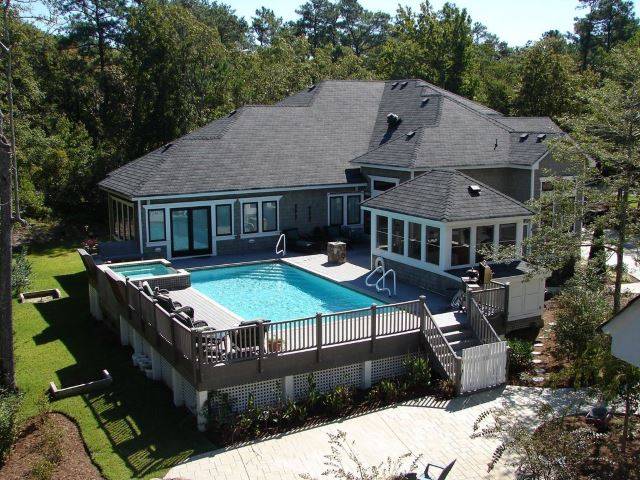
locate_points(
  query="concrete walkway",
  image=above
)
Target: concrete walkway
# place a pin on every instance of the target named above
(438, 431)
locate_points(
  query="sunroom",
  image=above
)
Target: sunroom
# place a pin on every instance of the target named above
(432, 229)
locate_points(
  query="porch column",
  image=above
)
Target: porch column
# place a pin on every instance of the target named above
(366, 374)
(176, 388)
(201, 409)
(374, 227)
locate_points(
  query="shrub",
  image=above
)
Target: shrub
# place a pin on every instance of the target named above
(418, 372)
(20, 272)
(338, 399)
(314, 397)
(520, 356)
(293, 413)
(9, 405)
(446, 388)
(582, 307)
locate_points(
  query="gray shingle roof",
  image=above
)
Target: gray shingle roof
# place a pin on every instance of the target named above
(322, 134)
(443, 195)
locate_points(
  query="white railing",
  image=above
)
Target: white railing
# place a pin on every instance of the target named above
(380, 269)
(382, 280)
(282, 251)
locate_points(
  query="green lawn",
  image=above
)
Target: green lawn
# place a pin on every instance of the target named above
(132, 430)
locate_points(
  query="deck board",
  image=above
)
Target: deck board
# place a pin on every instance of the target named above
(206, 309)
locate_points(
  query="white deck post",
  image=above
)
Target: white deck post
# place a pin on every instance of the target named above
(201, 409)
(366, 374)
(287, 387)
(94, 303)
(176, 387)
(124, 331)
(156, 369)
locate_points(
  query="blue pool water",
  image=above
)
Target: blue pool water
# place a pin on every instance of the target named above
(143, 270)
(275, 291)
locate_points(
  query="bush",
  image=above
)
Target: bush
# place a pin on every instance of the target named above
(20, 272)
(418, 372)
(582, 307)
(520, 356)
(314, 397)
(9, 405)
(446, 388)
(293, 413)
(338, 399)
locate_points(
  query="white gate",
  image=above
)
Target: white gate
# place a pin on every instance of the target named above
(483, 366)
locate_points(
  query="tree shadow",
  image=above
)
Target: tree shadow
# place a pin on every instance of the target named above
(135, 413)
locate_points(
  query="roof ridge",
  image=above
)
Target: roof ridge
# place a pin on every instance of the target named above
(448, 204)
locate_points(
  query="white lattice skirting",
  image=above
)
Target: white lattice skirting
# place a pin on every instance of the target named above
(296, 387)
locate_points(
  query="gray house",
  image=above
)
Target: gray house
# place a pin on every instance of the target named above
(310, 160)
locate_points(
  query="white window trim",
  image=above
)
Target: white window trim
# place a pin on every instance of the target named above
(259, 201)
(445, 238)
(344, 208)
(374, 178)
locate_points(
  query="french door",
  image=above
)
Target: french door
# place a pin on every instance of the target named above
(190, 231)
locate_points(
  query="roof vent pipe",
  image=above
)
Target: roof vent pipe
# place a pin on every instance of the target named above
(393, 120)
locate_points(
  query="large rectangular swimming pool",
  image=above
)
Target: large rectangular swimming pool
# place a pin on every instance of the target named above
(276, 291)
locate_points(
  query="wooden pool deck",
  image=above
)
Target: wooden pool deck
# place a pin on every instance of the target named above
(206, 309)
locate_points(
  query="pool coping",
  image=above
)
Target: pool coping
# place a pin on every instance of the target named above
(285, 261)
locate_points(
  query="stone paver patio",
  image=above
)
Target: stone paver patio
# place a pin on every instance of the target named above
(439, 431)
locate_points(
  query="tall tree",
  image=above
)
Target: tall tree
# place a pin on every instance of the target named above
(233, 30)
(361, 29)
(266, 26)
(178, 68)
(547, 84)
(434, 45)
(7, 365)
(605, 24)
(318, 22)
(96, 26)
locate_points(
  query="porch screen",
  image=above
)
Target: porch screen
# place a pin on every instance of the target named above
(460, 240)
(484, 241)
(433, 245)
(397, 236)
(507, 236)
(415, 240)
(382, 231)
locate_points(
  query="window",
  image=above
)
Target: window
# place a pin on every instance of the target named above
(382, 184)
(433, 245)
(123, 220)
(382, 230)
(250, 217)
(460, 240)
(415, 242)
(335, 210)
(397, 236)
(484, 240)
(156, 225)
(353, 210)
(223, 220)
(269, 216)
(507, 237)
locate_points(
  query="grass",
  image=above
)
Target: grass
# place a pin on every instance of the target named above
(132, 429)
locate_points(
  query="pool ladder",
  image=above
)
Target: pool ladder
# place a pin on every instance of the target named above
(381, 283)
(281, 251)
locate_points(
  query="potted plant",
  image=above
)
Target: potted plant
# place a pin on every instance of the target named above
(275, 344)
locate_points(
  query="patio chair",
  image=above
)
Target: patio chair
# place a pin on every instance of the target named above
(119, 251)
(188, 321)
(248, 343)
(444, 471)
(600, 417)
(296, 243)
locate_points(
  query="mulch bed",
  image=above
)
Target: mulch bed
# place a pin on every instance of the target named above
(29, 451)
(604, 463)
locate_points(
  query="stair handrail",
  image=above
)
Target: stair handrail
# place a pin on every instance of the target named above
(379, 268)
(384, 283)
(444, 353)
(283, 250)
(480, 324)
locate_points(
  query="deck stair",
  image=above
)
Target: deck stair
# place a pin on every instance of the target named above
(460, 337)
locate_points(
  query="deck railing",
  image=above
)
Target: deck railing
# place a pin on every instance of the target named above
(492, 298)
(479, 323)
(450, 363)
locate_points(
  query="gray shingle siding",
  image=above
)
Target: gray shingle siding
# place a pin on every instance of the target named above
(515, 182)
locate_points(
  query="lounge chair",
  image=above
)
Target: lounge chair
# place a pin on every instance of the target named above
(189, 322)
(119, 251)
(444, 471)
(296, 243)
(246, 343)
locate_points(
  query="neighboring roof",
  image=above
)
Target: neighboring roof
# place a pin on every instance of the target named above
(613, 318)
(321, 135)
(444, 195)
